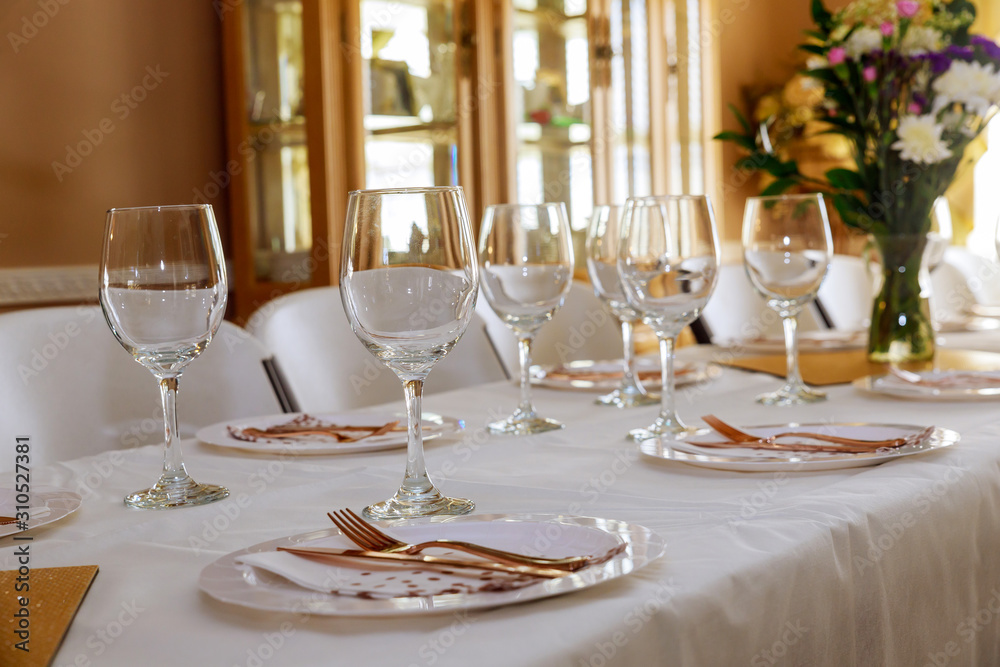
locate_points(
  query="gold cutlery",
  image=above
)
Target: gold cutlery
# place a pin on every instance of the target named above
(368, 537)
(5, 520)
(840, 444)
(955, 380)
(432, 561)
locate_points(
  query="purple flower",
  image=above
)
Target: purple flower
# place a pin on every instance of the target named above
(959, 52)
(989, 46)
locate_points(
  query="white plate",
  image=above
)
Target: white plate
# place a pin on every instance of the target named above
(751, 460)
(543, 535)
(685, 373)
(888, 385)
(434, 425)
(45, 506)
(824, 340)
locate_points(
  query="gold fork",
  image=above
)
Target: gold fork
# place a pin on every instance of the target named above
(368, 537)
(848, 444)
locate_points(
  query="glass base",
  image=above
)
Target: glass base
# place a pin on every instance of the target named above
(394, 508)
(628, 399)
(789, 395)
(175, 492)
(521, 424)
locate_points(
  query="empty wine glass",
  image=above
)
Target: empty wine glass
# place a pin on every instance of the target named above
(527, 267)
(602, 264)
(409, 282)
(786, 250)
(163, 293)
(668, 261)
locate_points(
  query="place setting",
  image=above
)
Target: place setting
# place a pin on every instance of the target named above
(798, 447)
(45, 505)
(437, 564)
(305, 434)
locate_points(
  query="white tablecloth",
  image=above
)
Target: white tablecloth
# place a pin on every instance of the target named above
(889, 565)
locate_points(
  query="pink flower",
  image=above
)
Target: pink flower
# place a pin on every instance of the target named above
(869, 73)
(887, 29)
(836, 55)
(907, 8)
(914, 108)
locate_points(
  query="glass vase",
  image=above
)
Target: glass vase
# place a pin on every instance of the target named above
(901, 329)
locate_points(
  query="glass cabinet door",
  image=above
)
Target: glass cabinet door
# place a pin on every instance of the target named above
(408, 87)
(278, 179)
(551, 105)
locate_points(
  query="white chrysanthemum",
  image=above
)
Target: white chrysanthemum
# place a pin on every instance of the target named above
(975, 85)
(920, 39)
(863, 40)
(920, 140)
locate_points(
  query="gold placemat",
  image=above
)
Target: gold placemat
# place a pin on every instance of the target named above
(54, 594)
(845, 366)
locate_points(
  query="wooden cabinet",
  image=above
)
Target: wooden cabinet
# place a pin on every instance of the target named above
(581, 101)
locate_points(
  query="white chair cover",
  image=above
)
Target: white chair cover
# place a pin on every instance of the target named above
(328, 369)
(581, 329)
(70, 386)
(737, 312)
(846, 293)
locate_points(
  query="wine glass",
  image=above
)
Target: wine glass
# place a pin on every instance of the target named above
(786, 250)
(409, 282)
(602, 264)
(668, 261)
(527, 266)
(163, 293)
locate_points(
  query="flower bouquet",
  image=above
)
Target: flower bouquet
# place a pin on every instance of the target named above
(908, 87)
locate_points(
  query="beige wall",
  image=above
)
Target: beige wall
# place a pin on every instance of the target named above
(62, 84)
(757, 45)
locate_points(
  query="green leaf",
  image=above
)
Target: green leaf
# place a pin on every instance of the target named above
(845, 179)
(850, 208)
(779, 186)
(822, 17)
(782, 169)
(815, 33)
(742, 119)
(813, 48)
(741, 140)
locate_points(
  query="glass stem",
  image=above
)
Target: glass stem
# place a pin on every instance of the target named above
(416, 482)
(667, 344)
(790, 324)
(173, 462)
(629, 379)
(524, 355)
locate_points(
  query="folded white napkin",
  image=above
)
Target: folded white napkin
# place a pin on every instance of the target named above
(373, 579)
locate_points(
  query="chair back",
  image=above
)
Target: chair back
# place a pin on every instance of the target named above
(70, 386)
(581, 329)
(328, 369)
(737, 312)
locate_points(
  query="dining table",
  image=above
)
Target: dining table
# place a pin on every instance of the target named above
(888, 564)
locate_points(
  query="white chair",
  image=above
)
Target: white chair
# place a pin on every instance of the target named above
(737, 312)
(982, 275)
(581, 329)
(951, 295)
(846, 293)
(70, 386)
(328, 369)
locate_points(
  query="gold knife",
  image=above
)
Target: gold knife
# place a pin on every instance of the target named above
(433, 561)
